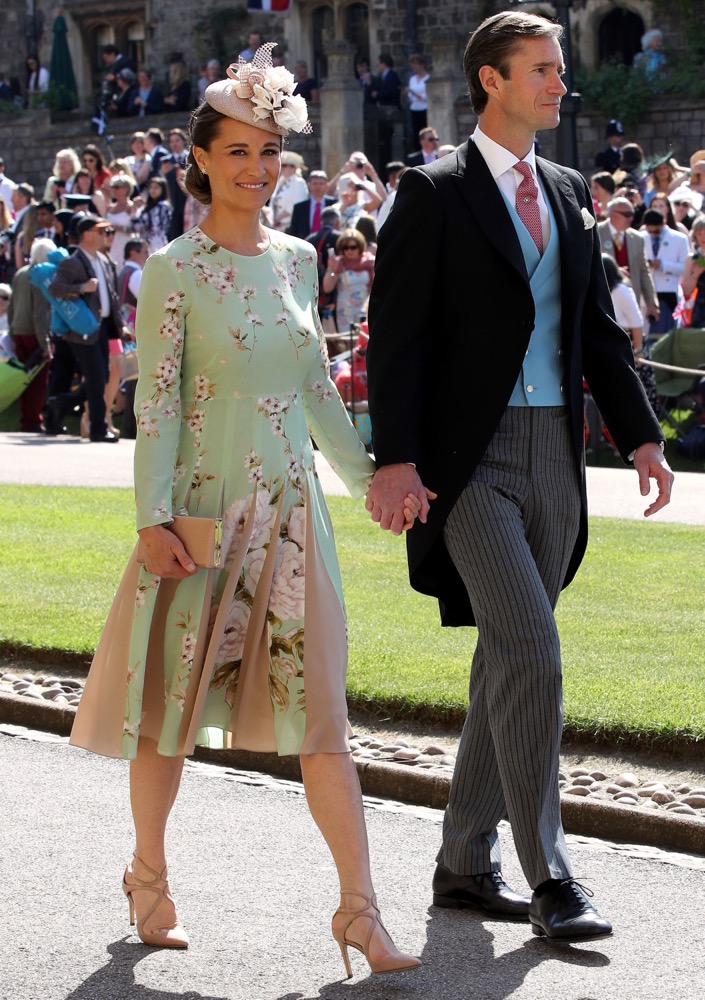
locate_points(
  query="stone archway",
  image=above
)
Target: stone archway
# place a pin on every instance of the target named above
(619, 36)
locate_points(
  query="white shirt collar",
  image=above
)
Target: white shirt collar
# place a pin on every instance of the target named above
(498, 158)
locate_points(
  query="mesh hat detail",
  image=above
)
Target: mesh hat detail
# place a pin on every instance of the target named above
(257, 93)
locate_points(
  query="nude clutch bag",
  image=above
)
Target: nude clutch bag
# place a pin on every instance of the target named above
(202, 537)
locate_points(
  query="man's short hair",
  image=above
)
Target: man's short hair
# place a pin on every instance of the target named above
(26, 190)
(133, 246)
(653, 218)
(48, 206)
(605, 180)
(110, 50)
(386, 59)
(619, 203)
(155, 134)
(427, 130)
(180, 132)
(394, 167)
(329, 216)
(320, 174)
(495, 42)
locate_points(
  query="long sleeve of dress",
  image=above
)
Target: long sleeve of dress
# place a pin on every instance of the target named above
(161, 314)
(330, 425)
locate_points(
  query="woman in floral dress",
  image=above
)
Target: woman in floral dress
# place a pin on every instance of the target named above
(233, 378)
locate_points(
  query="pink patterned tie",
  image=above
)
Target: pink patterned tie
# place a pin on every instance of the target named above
(527, 206)
(316, 217)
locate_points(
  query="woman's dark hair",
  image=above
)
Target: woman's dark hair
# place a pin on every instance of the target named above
(612, 272)
(83, 173)
(203, 129)
(368, 227)
(162, 182)
(670, 217)
(92, 150)
(605, 180)
(495, 42)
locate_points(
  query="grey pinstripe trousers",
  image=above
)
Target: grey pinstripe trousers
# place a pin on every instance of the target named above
(510, 535)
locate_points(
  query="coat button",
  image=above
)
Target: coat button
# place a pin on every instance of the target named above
(529, 388)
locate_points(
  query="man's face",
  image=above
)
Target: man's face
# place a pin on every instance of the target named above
(92, 239)
(680, 209)
(45, 218)
(140, 256)
(176, 143)
(621, 217)
(429, 143)
(18, 200)
(530, 98)
(654, 230)
(108, 58)
(317, 186)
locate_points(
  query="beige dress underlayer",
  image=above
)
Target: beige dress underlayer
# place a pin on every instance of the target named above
(234, 380)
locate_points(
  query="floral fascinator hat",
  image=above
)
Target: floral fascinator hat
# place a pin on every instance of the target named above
(260, 94)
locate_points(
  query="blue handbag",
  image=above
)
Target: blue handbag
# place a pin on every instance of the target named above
(66, 314)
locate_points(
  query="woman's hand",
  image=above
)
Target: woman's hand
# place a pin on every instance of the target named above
(163, 553)
(412, 508)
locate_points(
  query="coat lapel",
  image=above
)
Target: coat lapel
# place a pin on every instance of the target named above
(479, 190)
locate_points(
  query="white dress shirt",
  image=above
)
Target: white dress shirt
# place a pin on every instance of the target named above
(102, 284)
(501, 165)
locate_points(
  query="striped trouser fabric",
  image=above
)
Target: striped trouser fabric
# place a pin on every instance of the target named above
(510, 536)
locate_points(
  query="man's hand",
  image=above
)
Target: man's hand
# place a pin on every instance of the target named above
(90, 286)
(653, 312)
(650, 463)
(388, 492)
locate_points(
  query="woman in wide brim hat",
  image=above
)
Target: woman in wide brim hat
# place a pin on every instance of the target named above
(233, 381)
(665, 174)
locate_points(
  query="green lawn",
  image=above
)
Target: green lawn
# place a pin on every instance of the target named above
(632, 625)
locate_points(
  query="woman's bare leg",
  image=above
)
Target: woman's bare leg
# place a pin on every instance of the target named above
(154, 783)
(335, 800)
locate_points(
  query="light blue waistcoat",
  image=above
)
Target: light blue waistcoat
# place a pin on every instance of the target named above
(541, 376)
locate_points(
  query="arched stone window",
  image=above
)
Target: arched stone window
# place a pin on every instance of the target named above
(619, 36)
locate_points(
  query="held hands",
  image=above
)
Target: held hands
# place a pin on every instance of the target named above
(396, 496)
(90, 286)
(163, 553)
(650, 463)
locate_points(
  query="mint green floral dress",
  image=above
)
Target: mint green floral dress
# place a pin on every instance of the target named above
(234, 379)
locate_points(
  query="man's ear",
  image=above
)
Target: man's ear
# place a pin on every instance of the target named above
(489, 77)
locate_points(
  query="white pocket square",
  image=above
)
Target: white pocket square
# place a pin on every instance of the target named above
(588, 218)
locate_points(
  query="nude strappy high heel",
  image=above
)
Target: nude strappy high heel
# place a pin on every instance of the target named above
(173, 936)
(392, 961)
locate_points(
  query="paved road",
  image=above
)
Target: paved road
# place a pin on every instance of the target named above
(68, 461)
(256, 889)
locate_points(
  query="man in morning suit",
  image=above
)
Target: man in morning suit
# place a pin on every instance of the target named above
(88, 273)
(475, 390)
(306, 215)
(628, 248)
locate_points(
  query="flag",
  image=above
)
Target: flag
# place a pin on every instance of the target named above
(269, 6)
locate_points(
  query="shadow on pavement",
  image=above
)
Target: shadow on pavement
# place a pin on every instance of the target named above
(117, 978)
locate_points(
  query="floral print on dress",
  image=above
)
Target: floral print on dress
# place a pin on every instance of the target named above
(234, 379)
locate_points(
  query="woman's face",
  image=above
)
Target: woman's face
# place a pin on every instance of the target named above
(89, 163)
(137, 147)
(350, 250)
(700, 239)
(155, 190)
(660, 205)
(242, 166)
(65, 168)
(83, 184)
(662, 175)
(143, 80)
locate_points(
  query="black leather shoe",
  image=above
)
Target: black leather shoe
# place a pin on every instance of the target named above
(488, 893)
(107, 438)
(560, 910)
(53, 415)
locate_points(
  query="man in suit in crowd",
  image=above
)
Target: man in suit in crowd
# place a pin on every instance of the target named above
(306, 215)
(610, 159)
(476, 357)
(628, 248)
(88, 273)
(428, 140)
